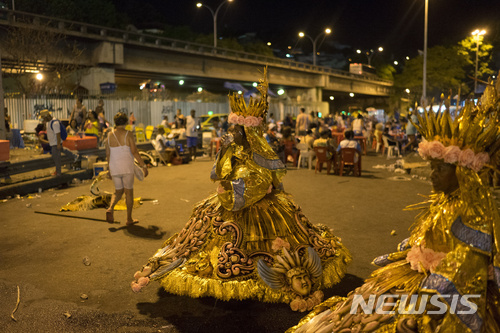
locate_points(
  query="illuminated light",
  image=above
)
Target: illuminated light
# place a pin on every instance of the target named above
(349, 114)
(281, 92)
(396, 63)
(200, 89)
(268, 43)
(343, 112)
(240, 92)
(255, 84)
(380, 49)
(328, 30)
(301, 34)
(39, 77)
(181, 82)
(358, 51)
(320, 115)
(289, 47)
(199, 4)
(332, 98)
(142, 86)
(288, 55)
(351, 94)
(407, 58)
(407, 90)
(210, 113)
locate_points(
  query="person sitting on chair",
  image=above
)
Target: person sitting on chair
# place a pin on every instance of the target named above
(349, 142)
(325, 140)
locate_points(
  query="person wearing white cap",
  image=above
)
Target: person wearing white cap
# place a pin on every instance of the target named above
(54, 138)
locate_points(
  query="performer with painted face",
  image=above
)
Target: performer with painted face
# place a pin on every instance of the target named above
(446, 276)
(248, 240)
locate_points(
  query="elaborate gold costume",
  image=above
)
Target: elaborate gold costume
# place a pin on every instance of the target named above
(453, 251)
(249, 240)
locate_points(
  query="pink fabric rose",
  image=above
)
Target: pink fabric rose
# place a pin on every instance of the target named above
(479, 161)
(233, 118)
(318, 294)
(310, 303)
(466, 158)
(248, 121)
(436, 149)
(143, 281)
(451, 154)
(279, 243)
(135, 287)
(294, 305)
(241, 120)
(137, 275)
(421, 258)
(302, 305)
(423, 149)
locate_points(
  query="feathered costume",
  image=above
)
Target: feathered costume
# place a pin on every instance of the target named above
(453, 250)
(249, 240)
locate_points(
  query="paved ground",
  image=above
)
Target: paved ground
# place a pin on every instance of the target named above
(43, 254)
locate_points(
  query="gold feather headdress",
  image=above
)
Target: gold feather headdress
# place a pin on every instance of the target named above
(253, 114)
(471, 138)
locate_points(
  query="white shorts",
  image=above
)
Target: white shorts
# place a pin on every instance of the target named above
(123, 181)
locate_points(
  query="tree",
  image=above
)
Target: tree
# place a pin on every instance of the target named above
(445, 70)
(468, 47)
(38, 50)
(386, 71)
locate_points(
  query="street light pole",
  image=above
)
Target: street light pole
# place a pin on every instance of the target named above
(476, 33)
(214, 16)
(424, 77)
(369, 54)
(314, 41)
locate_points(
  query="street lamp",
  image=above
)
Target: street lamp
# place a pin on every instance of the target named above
(369, 54)
(424, 77)
(314, 41)
(214, 15)
(477, 35)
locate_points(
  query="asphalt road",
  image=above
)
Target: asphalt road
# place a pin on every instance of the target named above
(44, 255)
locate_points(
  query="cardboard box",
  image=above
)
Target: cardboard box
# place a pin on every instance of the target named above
(99, 167)
(4, 150)
(77, 143)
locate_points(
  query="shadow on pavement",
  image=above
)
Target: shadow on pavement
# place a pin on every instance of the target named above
(192, 315)
(135, 230)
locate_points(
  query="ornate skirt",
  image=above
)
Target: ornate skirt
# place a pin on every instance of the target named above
(217, 252)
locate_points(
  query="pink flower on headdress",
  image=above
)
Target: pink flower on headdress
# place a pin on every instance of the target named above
(466, 158)
(479, 161)
(256, 121)
(451, 154)
(423, 149)
(241, 120)
(233, 118)
(436, 149)
(248, 121)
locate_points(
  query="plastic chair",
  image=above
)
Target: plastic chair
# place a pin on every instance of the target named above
(347, 157)
(390, 149)
(290, 151)
(139, 134)
(305, 153)
(322, 157)
(149, 132)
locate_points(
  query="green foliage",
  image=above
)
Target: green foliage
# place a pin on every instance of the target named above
(468, 47)
(445, 70)
(258, 47)
(386, 71)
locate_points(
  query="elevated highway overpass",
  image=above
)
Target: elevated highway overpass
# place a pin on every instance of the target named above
(128, 58)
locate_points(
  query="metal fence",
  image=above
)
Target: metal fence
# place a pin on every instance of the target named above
(147, 112)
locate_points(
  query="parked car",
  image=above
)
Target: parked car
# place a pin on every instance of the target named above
(207, 121)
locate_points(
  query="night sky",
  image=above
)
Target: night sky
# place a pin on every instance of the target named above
(397, 25)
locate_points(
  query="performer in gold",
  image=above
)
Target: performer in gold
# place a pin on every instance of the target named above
(249, 239)
(452, 255)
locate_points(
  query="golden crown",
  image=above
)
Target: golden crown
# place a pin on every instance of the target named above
(473, 133)
(257, 107)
